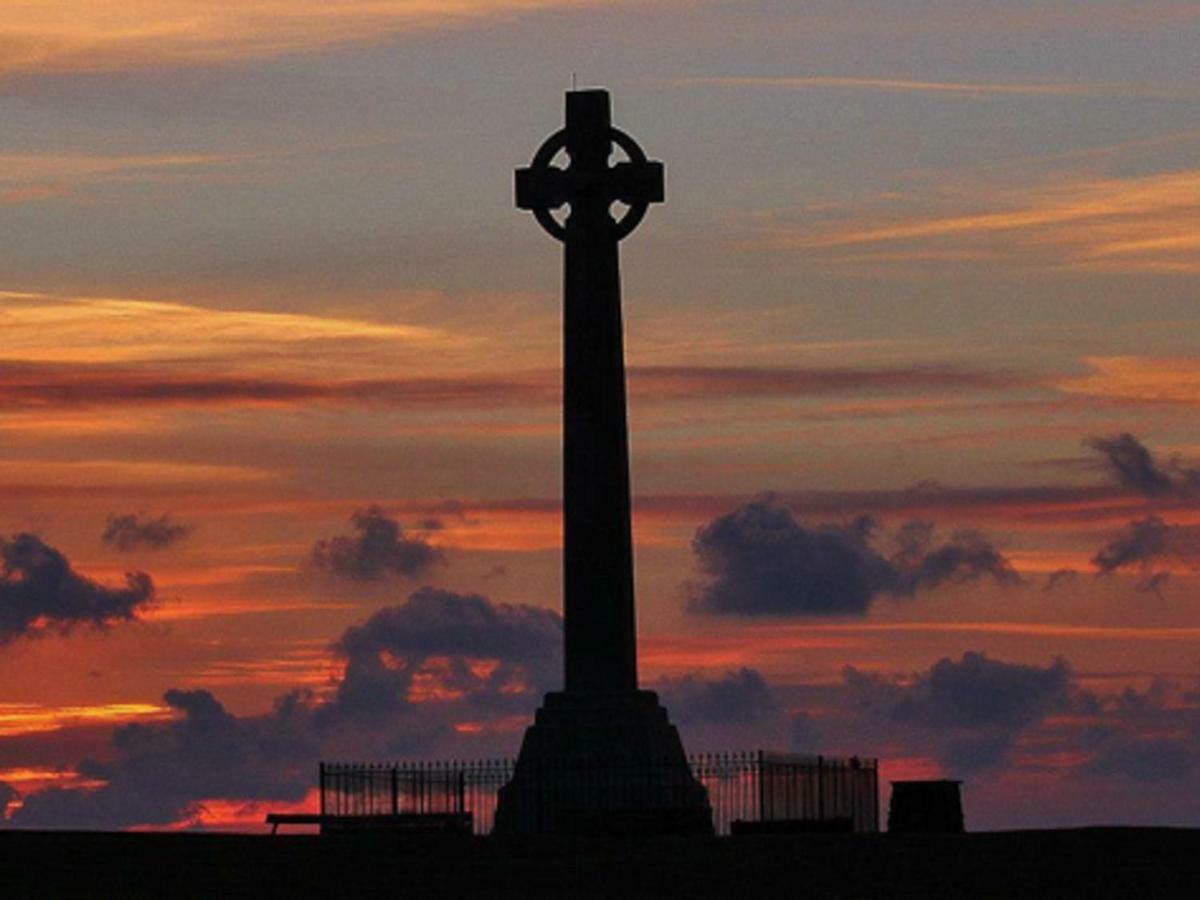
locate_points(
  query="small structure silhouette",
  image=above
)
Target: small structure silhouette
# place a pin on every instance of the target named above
(926, 807)
(601, 724)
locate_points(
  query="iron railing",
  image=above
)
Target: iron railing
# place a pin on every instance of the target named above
(753, 787)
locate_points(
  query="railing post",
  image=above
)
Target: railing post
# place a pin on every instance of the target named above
(321, 783)
(821, 788)
(763, 815)
(395, 791)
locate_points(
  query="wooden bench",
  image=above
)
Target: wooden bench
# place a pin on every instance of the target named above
(405, 823)
(277, 819)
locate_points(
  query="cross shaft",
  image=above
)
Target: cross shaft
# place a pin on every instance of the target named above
(598, 603)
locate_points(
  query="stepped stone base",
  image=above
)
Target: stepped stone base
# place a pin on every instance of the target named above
(603, 764)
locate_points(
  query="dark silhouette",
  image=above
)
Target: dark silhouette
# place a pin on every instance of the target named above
(133, 531)
(40, 592)
(925, 807)
(381, 548)
(601, 723)
(750, 793)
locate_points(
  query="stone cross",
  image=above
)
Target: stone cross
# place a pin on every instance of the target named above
(601, 756)
(600, 642)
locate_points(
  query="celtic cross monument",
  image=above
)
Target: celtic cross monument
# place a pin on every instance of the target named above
(601, 754)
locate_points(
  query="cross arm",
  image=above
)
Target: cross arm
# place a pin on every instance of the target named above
(541, 188)
(639, 183)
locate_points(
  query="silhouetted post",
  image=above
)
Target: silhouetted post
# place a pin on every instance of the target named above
(600, 631)
(601, 752)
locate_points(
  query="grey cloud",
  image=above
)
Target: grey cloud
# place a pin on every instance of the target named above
(1143, 544)
(1147, 736)
(25, 385)
(481, 660)
(1134, 467)
(132, 531)
(1059, 577)
(970, 692)
(161, 773)
(806, 734)
(741, 696)
(385, 653)
(39, 591)
(967, 713)
(758, 560)
(1145, 759)
(380, 548)
(8, 794)
(1143, 541)
(921, 564)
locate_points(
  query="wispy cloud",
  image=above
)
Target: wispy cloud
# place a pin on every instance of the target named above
(50, 328)
(23, 167)
(81, 36)
(1146, 224)
(25, 386)
(47, 175)
(32, 718)
(1139, 379)
(17, 472)
(967, 89)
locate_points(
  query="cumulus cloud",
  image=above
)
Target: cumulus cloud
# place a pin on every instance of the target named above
(1134, 467)
(413, 672)
(435, 643)
(971, 692)
(758, 560)
(1147, 736)
(160, 773)
(734, 710)
(132, 531)
(805, 734)
(739, 697)
(966, 713)
(972, 716)
(1146, 759)
(380, 548)
(40, 592)
(1142, 542)
(1145, 543)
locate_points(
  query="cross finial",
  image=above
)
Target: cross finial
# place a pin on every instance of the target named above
(589, 185)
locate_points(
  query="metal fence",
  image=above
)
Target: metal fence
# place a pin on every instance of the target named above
(752, 787)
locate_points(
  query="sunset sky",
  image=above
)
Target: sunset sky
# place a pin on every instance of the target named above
(913, 373)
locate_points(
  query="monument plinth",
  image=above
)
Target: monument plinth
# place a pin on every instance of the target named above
(601, 755)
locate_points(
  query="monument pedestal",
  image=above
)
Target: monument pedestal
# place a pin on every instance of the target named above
(603, 764)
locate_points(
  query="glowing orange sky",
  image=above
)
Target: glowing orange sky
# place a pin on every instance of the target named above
(262, 270)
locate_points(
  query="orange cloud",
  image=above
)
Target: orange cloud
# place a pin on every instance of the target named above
(29, 718)
(671, 655)
(1139, 379)
(65, 475)
(59, 167)
(1146, 224)
(309, 666)
(83, 36)
(46, 328)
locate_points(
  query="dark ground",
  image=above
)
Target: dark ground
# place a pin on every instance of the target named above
(1138, 863)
